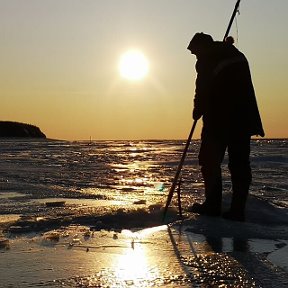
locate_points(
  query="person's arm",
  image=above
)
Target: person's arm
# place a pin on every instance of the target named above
(201, 92)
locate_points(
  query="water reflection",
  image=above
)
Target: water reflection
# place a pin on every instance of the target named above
(153, 257)
(133, 266)
(138, 264)
(182, 259)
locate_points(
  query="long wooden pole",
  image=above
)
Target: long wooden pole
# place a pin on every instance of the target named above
(180, 165)
(232, 19)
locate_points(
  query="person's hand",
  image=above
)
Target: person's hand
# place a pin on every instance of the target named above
(196, 114)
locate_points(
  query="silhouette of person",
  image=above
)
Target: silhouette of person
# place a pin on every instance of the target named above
(225, 99)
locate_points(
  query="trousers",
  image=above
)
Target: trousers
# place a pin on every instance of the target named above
(211, 155)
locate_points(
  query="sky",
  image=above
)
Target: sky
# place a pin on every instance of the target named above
(59, 64)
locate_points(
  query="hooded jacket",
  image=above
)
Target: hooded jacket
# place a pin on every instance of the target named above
(224, 93)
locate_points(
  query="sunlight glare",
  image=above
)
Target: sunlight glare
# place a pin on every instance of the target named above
(133, 65)
(134, 266)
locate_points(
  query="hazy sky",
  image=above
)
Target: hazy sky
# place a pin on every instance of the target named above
(59, 64)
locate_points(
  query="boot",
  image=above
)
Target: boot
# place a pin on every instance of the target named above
(204, 209)
(237, 209)
(213, 192)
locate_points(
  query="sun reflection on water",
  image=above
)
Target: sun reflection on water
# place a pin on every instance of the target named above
(135, 265)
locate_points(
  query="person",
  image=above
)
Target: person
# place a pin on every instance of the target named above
(226, 101)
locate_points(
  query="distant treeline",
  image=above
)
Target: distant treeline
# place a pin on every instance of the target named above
(16, 129)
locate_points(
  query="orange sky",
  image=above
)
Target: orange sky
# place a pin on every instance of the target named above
(59, 64)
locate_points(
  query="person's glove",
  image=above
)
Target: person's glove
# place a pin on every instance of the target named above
(196, 114)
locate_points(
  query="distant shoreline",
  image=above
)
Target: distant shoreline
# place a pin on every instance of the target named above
(10, 129)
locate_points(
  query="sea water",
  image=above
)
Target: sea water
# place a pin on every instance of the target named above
(101, 175)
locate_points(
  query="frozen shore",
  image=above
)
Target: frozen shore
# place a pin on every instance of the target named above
(83, 252)
(78, 214)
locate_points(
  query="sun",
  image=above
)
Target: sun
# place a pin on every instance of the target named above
(133, 65)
